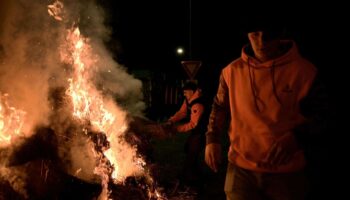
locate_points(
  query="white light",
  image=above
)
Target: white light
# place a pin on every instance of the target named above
(180, 51)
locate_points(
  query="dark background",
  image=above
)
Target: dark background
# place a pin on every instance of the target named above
(145, 35)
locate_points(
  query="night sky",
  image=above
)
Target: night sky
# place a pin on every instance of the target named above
(150, 31)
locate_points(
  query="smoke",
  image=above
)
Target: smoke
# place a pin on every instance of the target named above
(79, 157)
(114, 81)
(30, 64)
(112, 78)
(16, 180)
(28, 59)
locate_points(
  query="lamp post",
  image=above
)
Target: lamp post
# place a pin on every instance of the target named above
(190, 29)
(180, 51)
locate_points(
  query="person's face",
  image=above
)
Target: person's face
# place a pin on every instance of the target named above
(264, 44)
(188, 94)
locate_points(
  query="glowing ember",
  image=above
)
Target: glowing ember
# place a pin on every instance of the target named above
(11, 121)
(55, 10)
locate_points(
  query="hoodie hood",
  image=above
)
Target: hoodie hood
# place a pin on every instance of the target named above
(290, 54)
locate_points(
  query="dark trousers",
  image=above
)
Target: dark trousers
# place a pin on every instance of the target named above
(191, 172)
(242, 184)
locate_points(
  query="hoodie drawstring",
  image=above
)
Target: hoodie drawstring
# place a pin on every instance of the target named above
(274, 83)
(254, 89)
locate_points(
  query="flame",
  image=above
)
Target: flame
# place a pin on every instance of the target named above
(11, 121)
(101, 113)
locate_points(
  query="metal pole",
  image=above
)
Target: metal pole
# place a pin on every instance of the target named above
(190, 30)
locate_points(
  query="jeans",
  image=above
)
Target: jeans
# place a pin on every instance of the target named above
(242, 184)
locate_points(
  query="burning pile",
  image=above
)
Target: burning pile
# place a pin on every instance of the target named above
(84, 140)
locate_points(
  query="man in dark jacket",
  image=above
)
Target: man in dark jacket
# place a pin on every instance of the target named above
(191, 119)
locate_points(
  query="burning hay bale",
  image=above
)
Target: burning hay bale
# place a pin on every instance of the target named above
(35, 169)
(64, 155)
(59, 161)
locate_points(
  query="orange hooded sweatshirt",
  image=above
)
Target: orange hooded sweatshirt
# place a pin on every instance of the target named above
(262, 101)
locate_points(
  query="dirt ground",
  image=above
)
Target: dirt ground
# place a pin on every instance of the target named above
(169, 156)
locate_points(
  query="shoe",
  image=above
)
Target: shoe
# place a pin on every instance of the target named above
(188, 191)
(175, 188)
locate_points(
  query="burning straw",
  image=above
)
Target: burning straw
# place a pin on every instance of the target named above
(41, 53)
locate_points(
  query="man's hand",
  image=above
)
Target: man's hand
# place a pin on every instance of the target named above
(169, 128)
(281, 151)
(213, 156)
(155, 130)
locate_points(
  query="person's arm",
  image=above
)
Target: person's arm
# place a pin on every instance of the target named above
(219, 113)
(197, 111)
(217, 119)
(180, 114)
(315, 108)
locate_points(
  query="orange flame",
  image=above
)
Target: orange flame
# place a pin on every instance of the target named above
(91, 107)
(11, 121)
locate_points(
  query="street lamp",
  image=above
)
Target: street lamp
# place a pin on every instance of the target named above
(180, 51)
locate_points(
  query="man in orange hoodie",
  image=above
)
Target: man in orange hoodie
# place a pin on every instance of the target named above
(271, 99)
